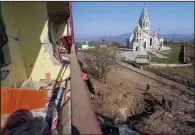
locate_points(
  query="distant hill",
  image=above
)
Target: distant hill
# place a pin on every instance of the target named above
(121, 38)
(179, 37)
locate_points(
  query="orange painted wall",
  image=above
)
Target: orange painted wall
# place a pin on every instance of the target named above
(16, 99)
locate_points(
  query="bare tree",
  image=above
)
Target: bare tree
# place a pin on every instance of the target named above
(102, 59)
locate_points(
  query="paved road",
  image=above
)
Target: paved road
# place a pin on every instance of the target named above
(132, 55)
(157, 54)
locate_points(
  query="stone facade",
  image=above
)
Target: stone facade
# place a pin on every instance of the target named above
(142, 38)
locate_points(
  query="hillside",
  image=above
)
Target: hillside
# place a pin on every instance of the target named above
(121, 38)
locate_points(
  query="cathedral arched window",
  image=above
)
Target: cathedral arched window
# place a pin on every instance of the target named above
(143, 24)
(146, 24)
(140, 40)
(137, 40)
(137, 34)
(140, 34)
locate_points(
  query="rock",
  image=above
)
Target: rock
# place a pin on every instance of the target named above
(101, 120)
(92, 96)
(100, 94)
(124, 130)
(132, 112)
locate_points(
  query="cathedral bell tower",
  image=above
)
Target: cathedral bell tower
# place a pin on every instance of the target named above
(144, 20)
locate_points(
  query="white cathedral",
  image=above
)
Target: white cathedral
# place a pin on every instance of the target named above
(142, 38)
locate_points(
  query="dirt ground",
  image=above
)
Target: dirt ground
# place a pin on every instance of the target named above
(121, 97)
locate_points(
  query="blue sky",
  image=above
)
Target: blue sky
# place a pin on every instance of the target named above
(102, 18)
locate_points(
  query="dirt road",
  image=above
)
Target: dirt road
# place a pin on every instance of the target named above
(138, 82)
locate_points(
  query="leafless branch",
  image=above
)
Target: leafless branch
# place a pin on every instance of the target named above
(102, 59)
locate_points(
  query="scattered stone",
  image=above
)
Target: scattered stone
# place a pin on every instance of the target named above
(100, 94)
(92, 96)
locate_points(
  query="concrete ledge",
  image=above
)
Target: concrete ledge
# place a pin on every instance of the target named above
(84, 119)
(169, 65)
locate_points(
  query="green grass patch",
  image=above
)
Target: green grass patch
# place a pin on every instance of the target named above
(156, 59)
(172, 56)
(143, 56)
(164, 54)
